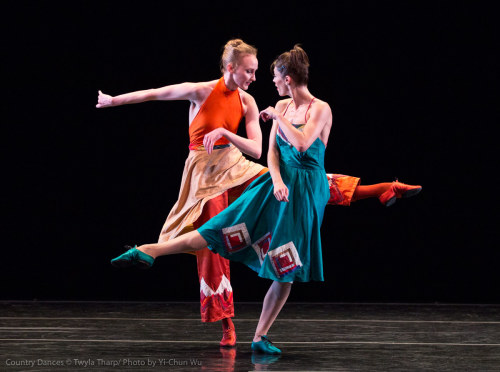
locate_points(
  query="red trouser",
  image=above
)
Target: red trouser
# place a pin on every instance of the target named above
(216, 294)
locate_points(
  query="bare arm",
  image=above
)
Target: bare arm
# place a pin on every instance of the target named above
(273, 163)
(302, 140)
(252, 145)
(185, 91)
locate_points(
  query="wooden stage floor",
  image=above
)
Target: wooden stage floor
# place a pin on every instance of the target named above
(115, 336)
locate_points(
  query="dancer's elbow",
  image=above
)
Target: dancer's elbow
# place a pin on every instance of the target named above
(254, 152)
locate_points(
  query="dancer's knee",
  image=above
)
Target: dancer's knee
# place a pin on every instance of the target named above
(195, 241)
(281, 290)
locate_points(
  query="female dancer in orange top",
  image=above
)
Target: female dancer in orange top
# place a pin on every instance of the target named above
(216, 171)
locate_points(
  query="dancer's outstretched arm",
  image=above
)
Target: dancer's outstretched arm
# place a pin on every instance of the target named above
(195, 92)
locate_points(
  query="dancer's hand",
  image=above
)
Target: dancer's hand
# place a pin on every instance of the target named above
(269, 114)
(281, 191)
(212, 137)
(104, 100)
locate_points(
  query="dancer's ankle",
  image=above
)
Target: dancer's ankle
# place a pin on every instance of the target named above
(257, 338)
(227, 323)
(146, 249)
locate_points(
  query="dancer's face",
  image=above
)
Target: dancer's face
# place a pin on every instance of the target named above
(280, 83)
(244, 73)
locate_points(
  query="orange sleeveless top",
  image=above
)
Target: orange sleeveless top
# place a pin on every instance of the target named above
(222, 108)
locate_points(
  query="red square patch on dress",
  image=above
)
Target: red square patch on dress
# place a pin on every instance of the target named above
(285, 259)
(261, 246)
(236, 237)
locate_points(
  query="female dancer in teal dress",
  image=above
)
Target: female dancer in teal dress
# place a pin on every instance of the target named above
(274, 227)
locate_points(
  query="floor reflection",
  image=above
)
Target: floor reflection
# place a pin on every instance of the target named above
(325, 337)
(261, 362)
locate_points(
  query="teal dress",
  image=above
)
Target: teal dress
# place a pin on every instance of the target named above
(279, 240)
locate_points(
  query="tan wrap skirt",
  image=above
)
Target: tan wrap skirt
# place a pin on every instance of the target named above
(205, 177)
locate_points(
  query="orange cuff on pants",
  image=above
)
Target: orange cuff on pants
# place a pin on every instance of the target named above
(342, 188)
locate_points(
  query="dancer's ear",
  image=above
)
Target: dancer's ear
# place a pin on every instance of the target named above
(230, 67)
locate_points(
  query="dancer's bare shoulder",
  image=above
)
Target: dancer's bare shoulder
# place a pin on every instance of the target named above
(247, 101)
(246, 97)
(321, 115)
(203, 89)
(322, 106)
(281, 104)
(320, 110)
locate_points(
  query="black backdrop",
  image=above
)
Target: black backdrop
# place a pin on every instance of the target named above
(413, 87)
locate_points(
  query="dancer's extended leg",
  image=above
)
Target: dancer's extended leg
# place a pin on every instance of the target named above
(190, 242)
(386, 192)
(370, 191)
(145, 255)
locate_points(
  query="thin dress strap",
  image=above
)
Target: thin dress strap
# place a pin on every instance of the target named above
(286, 109)
(305, 116)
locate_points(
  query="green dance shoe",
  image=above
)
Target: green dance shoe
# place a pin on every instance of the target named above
(133, 257)
(265, 346)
